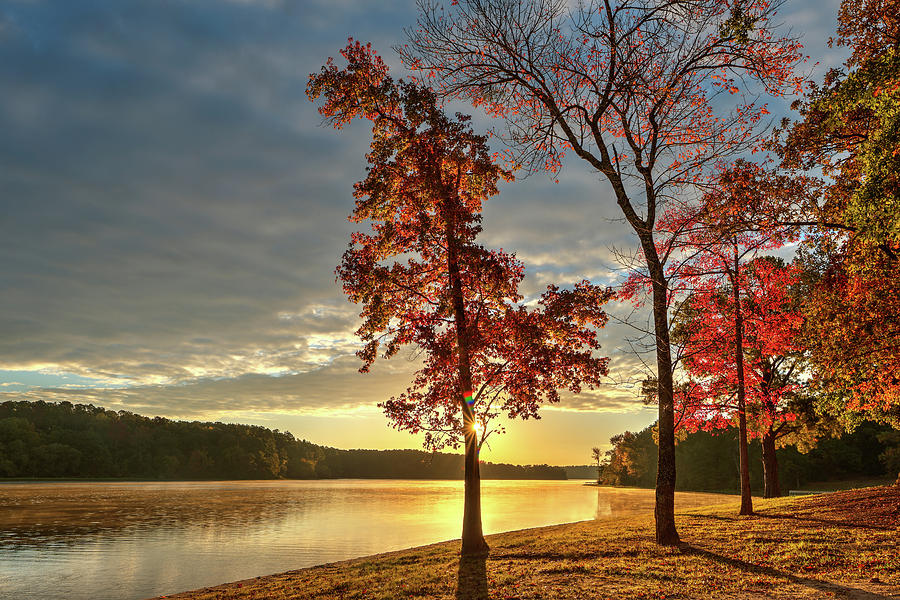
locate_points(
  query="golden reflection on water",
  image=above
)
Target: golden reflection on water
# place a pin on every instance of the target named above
(134, 540)
(76, 509)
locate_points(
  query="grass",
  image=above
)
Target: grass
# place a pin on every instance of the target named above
(847, 484)
(839, 545)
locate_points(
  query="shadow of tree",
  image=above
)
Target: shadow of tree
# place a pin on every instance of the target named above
(816, 584)
(800, 518)
(710, 517)
(558, 556)
(841, 523)
(472, 578)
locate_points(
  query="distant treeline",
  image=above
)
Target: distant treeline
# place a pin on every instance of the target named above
(415, 464)
(709, 461)
(40, 439)
(586, 472)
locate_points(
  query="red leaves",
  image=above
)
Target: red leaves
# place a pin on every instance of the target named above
(353, 92)
(770, 344)
(427, 179)
(713, 248)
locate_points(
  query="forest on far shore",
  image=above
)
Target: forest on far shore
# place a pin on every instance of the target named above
(709, 461)
(41, 439)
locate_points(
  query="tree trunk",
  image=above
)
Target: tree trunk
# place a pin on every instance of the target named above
(666, 533)
(772, 488)
(473, 542)
(746, 499)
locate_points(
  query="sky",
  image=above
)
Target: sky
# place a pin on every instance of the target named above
(172, 210)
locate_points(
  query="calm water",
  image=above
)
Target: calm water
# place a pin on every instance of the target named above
(124, 541)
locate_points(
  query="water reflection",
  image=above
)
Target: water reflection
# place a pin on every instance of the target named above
(612, 502)
(135, 540)
(51, 514)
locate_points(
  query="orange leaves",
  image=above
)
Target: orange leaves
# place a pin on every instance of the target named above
(348, 93)
(423, 281)
(851, 332)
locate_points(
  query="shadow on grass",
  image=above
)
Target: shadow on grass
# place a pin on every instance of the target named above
(710, 517)
(472, 578)
(558, 556)
(816, 584)
(837, 522)
(800, 518)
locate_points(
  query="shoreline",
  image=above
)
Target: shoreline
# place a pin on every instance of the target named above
(11, 480)
(842, 545)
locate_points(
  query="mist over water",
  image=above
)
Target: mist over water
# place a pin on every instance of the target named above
(127, 541)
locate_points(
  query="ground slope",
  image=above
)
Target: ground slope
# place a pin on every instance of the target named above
(839, 545)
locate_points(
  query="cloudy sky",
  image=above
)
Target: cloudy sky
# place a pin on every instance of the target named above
(172, 210)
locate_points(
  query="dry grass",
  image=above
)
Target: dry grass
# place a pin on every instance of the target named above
(840, 545)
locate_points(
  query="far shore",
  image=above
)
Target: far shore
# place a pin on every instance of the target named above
(837, 545)
(183, 480)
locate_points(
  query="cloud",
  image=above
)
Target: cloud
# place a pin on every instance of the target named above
(335, 388)
(173, 209)
(167, 193)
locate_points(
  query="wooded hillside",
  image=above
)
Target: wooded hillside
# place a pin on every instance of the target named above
(40, 439)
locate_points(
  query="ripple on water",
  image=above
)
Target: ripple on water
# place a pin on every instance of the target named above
(122, 541)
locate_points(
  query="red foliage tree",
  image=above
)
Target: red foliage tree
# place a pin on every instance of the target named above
(708, 244)
(630, 87)
(759, 383)
(423, 281)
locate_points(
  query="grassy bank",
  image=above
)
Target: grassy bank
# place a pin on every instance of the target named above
(848, 484)
(840, 545)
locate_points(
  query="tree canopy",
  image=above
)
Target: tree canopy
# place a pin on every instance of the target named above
(849, 131)
(629, 87)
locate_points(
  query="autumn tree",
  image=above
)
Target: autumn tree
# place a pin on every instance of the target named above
(720, 284)
(774, 406)
(714, 240)
(631, 87)
(849, 132)
(708, 244)
(424, 282)
(780, 406)
(631, 459)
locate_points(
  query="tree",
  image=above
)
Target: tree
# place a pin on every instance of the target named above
(596, 454)
(708, 461)
(780, 408)
(770, 352)
(709, 243)
(630, 87)
(457, 302)
(849, 131)
(631, 460)
(718, 240)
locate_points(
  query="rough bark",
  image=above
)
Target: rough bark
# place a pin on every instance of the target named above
(473, 542)
(746, 499)
(772, 488)
(666, 534)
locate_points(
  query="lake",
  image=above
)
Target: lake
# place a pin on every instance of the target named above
(128, 541)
